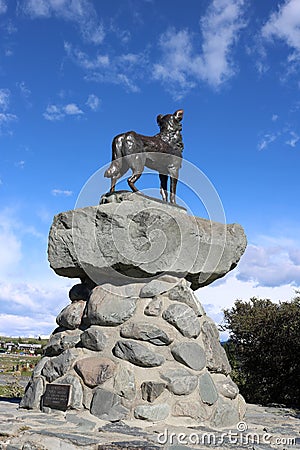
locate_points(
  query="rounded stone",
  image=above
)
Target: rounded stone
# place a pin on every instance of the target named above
(79, 292)
(107, 406)
(154, 287)
(154, 307)
(93, 338)
(137, 354)
(226, 413)
(57, 366)
(216, 358)
(107, 309)
(145, 331)
(180, 381)
(225, 385)
(207, 389)
(183, 318)
(61, 341)
(37, 371)
(189, 354)
(124, 383)
(151, 390)
(184, 294)
(71, 316)
(196, 410)
(33, 394)
(95, 371)
(152, 413)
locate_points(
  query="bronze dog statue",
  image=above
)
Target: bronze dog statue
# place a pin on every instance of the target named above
(162, 152)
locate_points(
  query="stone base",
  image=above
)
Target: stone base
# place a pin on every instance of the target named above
(151, 356)
(134, 236)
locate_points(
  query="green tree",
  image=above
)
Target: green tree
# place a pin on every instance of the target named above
(264, 349)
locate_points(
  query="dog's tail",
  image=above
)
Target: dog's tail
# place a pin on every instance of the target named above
(116, 161)
(113, 170)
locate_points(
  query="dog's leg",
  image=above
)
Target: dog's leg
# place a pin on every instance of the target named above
(137, 165)
(134, 177)
(173, 183)
(122, 168)
(113, 185)
(164, 186)
(173, 190)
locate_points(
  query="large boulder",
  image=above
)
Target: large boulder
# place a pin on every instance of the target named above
(139, 238)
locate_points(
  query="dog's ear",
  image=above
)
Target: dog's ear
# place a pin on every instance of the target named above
(178, 114)
(158, 119)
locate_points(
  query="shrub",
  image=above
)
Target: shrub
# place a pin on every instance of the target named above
(264, 348)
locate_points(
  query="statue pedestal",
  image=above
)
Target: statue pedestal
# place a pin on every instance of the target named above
(135, 344)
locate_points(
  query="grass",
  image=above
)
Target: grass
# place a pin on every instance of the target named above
(10, 363)
(23, 340)
(16, 367)
(12, 390)
(11, 386)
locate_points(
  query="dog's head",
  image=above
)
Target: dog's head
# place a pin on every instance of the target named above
(170, 122)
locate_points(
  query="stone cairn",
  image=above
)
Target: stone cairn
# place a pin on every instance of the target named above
(135, 344)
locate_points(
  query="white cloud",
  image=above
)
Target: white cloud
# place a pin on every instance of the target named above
(58, 112)
(84, 61)
(13, 325)
(275, 117)
(284, 25)
(31, 295)
(294, 254)
(53, 112)
(5, 117)
(123, 35)
(123, 70)
(220, 28)
(180, 63)
(93, 102)
(222, 295)
(3, 6)
(177, 63)
(72, 110)
(4, 99)
(126, 81)
(5, 120)
(37, 8)
(294, 138)
(20, 164)
(10, 244)
(271, 265)
(80, 12)
(64, 193)
(18, 293)
(291, 137)
(30, 307)
(266, 140)
(270, 269)
(9, 27)
(24, 90)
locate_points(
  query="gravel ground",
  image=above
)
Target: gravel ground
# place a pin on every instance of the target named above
(262, 429)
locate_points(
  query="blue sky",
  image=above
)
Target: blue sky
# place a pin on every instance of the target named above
(74, 73)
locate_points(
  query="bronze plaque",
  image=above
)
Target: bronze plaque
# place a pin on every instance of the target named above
(57, 396)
